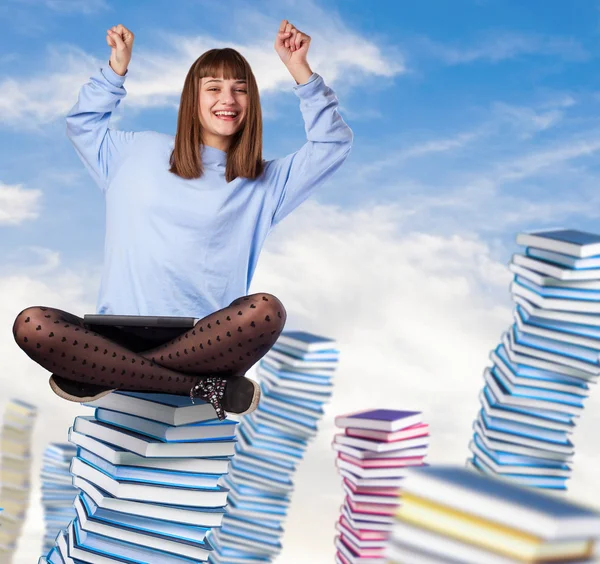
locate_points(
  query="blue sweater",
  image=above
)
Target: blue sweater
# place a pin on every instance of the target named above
(190, 247)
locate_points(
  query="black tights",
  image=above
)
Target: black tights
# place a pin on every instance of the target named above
(225, 343)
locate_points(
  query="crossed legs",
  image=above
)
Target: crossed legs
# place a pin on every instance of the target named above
(225, 343)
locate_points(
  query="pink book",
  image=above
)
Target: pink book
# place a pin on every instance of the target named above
(383, 462)
(371, 508)
(419, 430)
(369, 490)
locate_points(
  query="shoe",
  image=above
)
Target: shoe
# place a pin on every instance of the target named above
(238, 395)
(79, 392)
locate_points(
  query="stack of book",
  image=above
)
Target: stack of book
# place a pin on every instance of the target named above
(15, 473)
(296, 381)
(58, 492)
(147, 470)
(453, 515)
(535, 390)
(373, 455)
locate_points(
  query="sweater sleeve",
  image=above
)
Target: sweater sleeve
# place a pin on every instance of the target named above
(100, 148)
(293, 178)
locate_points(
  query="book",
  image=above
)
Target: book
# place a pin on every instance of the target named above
(194, 432)
(145, 446)
(564, 260)
(526, 509)
(379, 419)
(165, 408)
(306, 341)
(571, 242)
(418, 430)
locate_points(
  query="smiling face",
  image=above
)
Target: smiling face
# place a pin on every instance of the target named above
(223, 107)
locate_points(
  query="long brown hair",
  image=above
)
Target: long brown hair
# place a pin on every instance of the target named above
(244, 156)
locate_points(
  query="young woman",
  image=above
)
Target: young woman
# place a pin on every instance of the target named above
(186, 218)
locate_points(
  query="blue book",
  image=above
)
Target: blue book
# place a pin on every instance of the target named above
(572, 242)
(556, 325)
(331, 354)
(559, 293)
(306, 341)
(524, 430)
(379, 419)
(548, 482)
(564, 260)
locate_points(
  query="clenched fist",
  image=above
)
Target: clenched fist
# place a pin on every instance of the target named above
(120, 40)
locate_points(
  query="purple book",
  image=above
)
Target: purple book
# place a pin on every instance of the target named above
(379, 419)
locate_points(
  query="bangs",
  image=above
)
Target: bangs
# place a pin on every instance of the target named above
(223, 63)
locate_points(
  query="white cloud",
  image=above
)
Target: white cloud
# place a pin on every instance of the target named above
(18, 204)
(415, 315)
(52, 284)
(157, 76)
(501, 46)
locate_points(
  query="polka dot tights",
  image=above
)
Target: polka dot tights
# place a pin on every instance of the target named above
(225, 343)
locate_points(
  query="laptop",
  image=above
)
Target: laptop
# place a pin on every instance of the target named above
(141, 332)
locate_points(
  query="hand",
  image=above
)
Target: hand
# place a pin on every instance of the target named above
(120, 40)
(291, 45)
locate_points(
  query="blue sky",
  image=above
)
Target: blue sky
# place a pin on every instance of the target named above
(478, 116)
(473, 120)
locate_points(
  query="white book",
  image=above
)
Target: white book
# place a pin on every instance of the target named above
(284, 386)
(420, 546)
(96, 549)
(306, 341)
(144, 446)
(394, 482)
(352, 558)
(563, 353)
(304, 355)
(505, 412)
(519, 353)
(198, 550)
(517, 448)
(544, 280)
(516, 396)
(163, 432)
(546, 482)
(542, 315)
(150, 475)
(359, 525)
(565, 260)
(490, 498)
(566, 448)
(518, 469)
(166, 408)
(577, 329)
(285, 369)
(558, 336)
(290, 361)
(579, 306)
(370, 455)
(571, 242)
(349, 534)
(63, 548)
(528, 346)
(260, 482)
(119, 456)
(391, 500)
(139, 491)
(250, 545)
(523, 430)
(555, 270)
(196, 516)
(527, 375)
(371, 472)
(377, 446)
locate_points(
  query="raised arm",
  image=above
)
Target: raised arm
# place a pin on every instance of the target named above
(100, 148)
(329, 139)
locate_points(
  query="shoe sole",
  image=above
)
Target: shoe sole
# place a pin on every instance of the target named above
(255, 399)
(77, 399)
